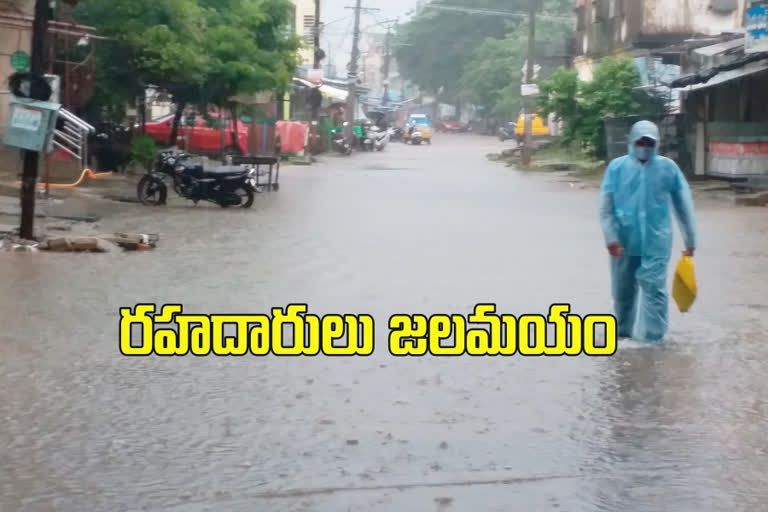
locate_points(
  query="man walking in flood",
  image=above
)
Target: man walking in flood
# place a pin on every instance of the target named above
(635, 218)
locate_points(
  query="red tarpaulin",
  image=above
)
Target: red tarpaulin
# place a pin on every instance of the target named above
(293, 135)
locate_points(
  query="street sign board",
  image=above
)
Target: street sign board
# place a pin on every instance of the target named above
(20, 61)
(536, 70)
(529, 89)
(315, 75)
(26, 119)
(756, 28)
(31, 124)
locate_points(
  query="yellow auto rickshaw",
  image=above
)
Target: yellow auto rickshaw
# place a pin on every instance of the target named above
(538, 128)
(418, 129)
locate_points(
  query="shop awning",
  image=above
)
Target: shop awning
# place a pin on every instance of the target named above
(747, 65)
(727, 76)
(333, 93)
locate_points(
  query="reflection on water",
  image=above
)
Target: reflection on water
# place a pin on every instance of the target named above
(679, 427)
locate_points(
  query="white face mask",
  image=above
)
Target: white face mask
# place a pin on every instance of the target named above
(643, 153)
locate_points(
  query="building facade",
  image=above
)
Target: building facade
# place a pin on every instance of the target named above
(15, 35)
(608, 27)
(304, 25)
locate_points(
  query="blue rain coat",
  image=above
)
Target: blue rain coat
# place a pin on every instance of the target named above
(634, 212)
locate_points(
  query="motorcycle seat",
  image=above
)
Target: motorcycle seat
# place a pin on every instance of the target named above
(221, 172)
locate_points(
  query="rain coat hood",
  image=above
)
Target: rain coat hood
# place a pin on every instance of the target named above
(644, 129)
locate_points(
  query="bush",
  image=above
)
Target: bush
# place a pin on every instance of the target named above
(144, 151)
(582, 106)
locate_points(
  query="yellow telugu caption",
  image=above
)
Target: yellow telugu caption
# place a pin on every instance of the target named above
(353, 335)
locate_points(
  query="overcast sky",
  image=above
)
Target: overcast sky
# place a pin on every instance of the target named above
(337, 37)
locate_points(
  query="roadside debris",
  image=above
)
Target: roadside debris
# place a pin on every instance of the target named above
(16, 244)
(756, 199)
(100, 243)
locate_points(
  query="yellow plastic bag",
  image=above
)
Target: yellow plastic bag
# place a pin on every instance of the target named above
(684, 286)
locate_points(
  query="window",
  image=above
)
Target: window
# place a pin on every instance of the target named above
(581, 18)
(724, 6)
(309, 29)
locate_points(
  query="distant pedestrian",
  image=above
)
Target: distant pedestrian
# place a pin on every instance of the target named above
(635, 218)
(278, 144)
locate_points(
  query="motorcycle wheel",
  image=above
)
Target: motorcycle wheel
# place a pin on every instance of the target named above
(246, 196)
(151, 191)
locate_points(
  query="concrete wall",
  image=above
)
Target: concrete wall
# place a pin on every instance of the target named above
(689, 16)
(11, 40)
(605, 26)
(305, 9)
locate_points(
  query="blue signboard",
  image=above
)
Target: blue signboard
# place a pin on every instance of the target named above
(31, 124)
(756, 28)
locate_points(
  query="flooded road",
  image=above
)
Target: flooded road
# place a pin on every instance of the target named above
(412, 230)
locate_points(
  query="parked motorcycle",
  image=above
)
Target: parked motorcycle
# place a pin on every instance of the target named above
(110, 144)
(415, 137)
(191, 181)
(508, 132)
(341, 145)
(340, 142)
(367, 141)
(380, 138)
(366, 135)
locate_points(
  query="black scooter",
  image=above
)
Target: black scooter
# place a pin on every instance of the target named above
(508, 132)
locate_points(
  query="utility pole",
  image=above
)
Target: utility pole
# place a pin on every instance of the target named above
(318, 56)
(352, 73)
(387, 57)
(32, 158)
(526, 152)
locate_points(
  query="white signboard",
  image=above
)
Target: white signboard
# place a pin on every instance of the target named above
(26, 119)
(756, 28)
(529, 89)
(315, 75)
(536, 70)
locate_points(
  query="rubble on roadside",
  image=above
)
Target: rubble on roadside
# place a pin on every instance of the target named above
(16, 244)
(754, 199)
(91, 244)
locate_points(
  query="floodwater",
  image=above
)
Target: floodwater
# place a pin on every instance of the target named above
(412, 230)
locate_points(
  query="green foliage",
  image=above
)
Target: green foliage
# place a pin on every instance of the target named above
(248, 49)
(494, 76)
(560, 95)
(144, 151)
(437, 48)
(582, 106)
(495, 70)
(200, 51)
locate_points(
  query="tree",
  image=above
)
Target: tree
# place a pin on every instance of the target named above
(582, 106)
(200, 51)
(150, 42)
(436, 47)
(560, 96)
(433, 48)
(248, 51)
(494, 75)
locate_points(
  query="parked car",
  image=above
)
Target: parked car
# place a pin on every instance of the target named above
(453, 126)
(204, 135)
